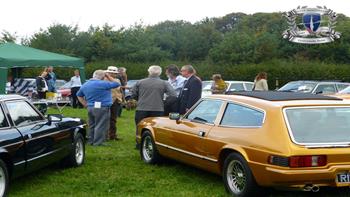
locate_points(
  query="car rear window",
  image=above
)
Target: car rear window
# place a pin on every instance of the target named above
(320, 125)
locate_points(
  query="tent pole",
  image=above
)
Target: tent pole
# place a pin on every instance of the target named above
(3, 79)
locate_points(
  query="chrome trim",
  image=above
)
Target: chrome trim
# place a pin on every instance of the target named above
(41, 136)
(186, 152)
(46, 154)
(12, 144)
(313, 145)
(19, 163)
(242, 127)
(247, 106)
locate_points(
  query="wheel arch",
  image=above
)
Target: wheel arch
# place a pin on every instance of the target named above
(148, 128)
(7, 159)
(80, 130)
(225, 151)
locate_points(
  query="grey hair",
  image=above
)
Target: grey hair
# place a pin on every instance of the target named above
(122, 69)
(190, 69)
(98, 74)
(154, 71)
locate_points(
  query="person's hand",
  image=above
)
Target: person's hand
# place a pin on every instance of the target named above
(108, 77)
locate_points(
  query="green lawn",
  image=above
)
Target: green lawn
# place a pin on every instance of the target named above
(117, 170)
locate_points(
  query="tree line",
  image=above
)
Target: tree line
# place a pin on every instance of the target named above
(212, 44)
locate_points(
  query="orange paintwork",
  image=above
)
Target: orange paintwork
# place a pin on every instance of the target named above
(254, 144)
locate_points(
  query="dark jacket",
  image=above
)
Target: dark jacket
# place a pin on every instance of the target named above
(149, 93)
(190, 93)
(40, 84)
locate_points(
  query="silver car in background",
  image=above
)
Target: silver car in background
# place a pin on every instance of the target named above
(314, 87)
(232, 86)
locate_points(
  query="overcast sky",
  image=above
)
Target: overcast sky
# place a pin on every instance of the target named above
(25, 17)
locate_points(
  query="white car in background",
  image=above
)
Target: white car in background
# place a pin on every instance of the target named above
(232, 86)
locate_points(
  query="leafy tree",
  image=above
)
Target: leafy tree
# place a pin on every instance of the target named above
(7, 37)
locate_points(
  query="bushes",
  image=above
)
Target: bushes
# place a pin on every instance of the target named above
(283, 71)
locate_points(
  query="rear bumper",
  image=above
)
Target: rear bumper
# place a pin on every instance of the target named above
(298, 178)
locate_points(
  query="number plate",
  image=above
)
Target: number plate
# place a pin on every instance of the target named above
(343, 178)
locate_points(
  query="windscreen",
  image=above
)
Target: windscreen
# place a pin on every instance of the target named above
(319, 125)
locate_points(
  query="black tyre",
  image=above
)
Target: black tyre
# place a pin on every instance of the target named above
(238, 178)
(4, 179)
(148, 151)
(77, 156)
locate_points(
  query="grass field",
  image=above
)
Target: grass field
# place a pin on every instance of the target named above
(117, 170)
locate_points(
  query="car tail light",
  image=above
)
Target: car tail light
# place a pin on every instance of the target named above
(298, 161)
(307, 161)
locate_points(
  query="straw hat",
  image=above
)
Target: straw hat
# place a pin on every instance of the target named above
(112, 69)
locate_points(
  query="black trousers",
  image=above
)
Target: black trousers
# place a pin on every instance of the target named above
(41, 95)
(139, 115)
(75, 100)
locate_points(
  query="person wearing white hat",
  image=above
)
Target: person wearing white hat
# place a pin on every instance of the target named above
(96, 95)
(117, 99)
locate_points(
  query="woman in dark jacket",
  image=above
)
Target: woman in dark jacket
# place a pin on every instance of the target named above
(41, 85)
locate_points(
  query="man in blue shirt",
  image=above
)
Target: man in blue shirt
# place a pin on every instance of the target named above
(97, 97)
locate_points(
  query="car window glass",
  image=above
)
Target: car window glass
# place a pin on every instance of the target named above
(236, 87)
(319, 125)
(3, 120)
(206, 111)
(238, 116)
(341, 86)
(325, 89)
(249, 86)
(22, 113)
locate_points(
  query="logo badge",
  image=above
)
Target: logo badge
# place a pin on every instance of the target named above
(312, 22)
(311, 25)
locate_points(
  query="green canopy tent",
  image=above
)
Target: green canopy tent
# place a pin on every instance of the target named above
(17, 56)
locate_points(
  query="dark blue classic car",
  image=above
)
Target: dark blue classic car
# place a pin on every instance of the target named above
(29, 141)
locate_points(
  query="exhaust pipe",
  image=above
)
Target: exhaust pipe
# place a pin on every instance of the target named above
(310, 187)
(307, 188)
(315, 188)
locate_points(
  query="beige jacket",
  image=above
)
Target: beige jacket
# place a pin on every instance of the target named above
(261, 85)
(117, 94)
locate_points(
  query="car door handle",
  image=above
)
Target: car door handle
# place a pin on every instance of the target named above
(201, 133)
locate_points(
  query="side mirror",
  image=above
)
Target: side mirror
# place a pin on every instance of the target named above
(174, 116)
(54, 118)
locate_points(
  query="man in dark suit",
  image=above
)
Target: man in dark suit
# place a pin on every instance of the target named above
(192, 90)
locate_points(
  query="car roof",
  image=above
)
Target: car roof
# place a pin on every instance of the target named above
(10, 96)
(268, 99)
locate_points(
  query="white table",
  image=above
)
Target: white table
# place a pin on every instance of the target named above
(60, 104)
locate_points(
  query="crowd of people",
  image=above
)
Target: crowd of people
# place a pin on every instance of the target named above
(104, 94)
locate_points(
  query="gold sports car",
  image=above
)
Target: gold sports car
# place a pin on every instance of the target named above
(258, 139)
